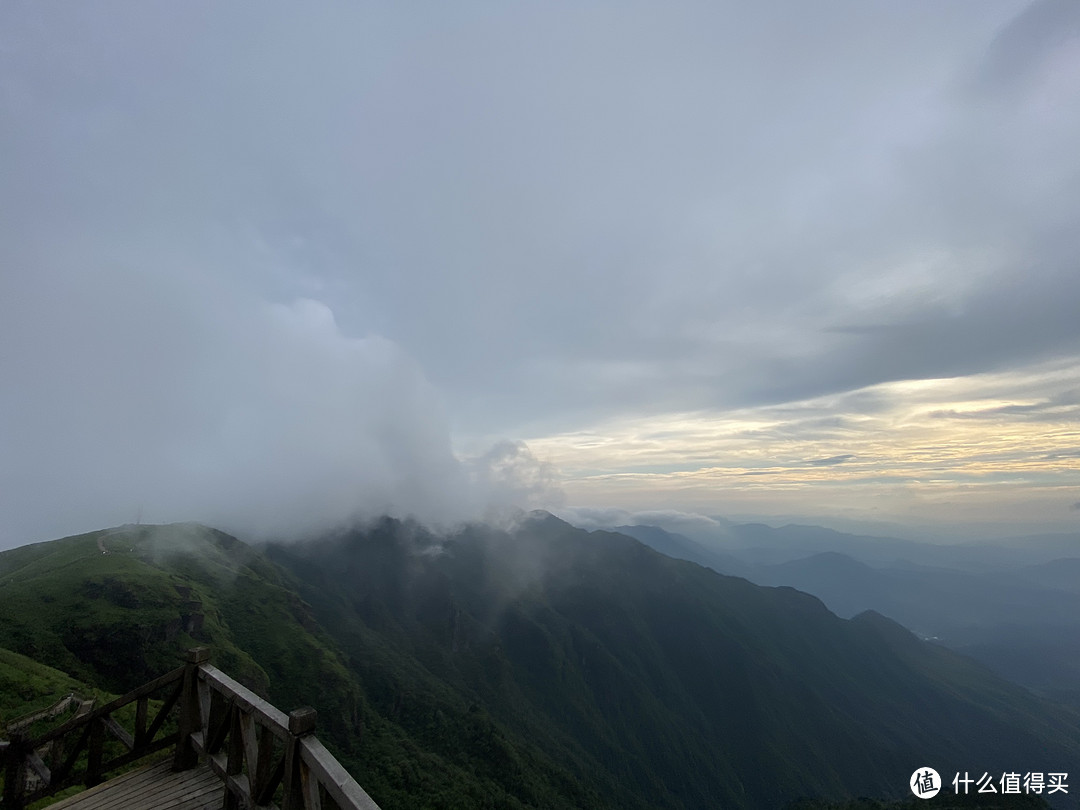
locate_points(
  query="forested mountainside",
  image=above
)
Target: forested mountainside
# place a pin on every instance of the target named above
(540, 666)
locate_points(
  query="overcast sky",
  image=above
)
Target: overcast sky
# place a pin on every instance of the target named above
(270, 265)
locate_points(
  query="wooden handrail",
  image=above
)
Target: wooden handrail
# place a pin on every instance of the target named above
(258, 751)
(328, 773)
(28, 778)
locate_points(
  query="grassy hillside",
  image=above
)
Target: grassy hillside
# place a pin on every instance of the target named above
(27, 686)
(544, 667)
(117, 608)
(120, 618)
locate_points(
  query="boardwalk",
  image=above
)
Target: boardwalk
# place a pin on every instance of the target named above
(230, 748)
(156, 787)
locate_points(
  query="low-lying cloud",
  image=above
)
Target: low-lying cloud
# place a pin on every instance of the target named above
(687, 523)
(167, 397)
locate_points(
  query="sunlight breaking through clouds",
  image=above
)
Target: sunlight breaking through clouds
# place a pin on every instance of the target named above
(881, 450)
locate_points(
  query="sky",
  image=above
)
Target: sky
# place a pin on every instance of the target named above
(275, 266)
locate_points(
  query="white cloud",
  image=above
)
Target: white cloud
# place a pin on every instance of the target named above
(524, 223)
(175, 397)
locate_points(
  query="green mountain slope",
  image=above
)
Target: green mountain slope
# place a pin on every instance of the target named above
(538, 667)
(27, 686)
(655, 680)
(118, 607)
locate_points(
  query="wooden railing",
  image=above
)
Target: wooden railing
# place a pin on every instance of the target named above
(265, 759)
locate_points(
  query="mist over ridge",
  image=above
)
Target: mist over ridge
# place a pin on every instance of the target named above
(816, 262)
(261, 418)
(538, 662)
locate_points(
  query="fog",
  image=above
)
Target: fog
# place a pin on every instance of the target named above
(273, 268)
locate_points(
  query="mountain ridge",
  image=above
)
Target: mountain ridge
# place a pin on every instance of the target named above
(545, 666)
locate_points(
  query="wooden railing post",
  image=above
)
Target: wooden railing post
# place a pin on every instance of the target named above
(186, 755)
(261, 791)
(234, 756)
(141, 707)
(56, 753)
(15, 772)
(94, 751)
(301, 723)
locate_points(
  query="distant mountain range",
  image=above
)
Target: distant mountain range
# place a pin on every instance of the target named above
(540, 666)
(759, 543)
(1013, 605)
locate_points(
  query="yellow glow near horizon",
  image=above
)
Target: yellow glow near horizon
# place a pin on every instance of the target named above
(995, 440)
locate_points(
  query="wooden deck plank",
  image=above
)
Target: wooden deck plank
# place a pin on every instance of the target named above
(118, 790)
(150, 788)
(156, 787)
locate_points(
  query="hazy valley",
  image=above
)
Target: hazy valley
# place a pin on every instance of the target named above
(1013, 604)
